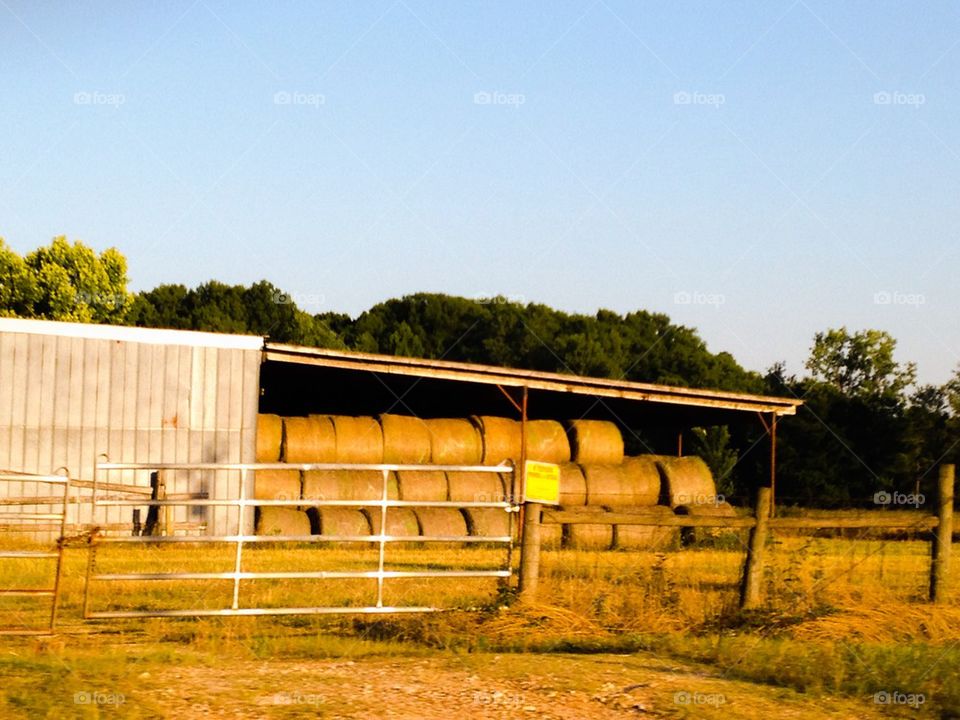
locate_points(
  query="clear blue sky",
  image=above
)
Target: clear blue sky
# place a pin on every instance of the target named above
(729, 164)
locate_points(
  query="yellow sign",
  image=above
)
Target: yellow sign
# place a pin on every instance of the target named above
(542, 483)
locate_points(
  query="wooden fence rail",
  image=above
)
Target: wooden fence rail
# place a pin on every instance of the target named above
(760, 525)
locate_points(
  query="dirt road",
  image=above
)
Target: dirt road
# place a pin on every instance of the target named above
(582, 687)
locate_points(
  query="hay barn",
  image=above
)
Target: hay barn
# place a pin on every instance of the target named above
(71, 394)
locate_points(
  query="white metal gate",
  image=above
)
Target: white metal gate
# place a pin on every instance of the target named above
(22, 514)
(245, 536)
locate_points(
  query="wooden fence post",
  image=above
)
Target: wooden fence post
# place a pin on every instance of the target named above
(153, 511)
(942, 535)
(166, 510)
(530, 551)
(751, 588)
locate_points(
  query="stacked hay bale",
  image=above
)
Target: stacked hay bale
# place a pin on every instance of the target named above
(481, 487)
(547, 442)
(401, 521)
(686, 481)
(594, 472)
(689, 488)
(348, 485)
(269, 438)
(406, 440)
(285, 521)
(359, 440)
(318, 439)
(422, 485)
(339, 522)
(500, 438)
(442, 522)
(454, 442)
(276, 484)
(595, 442)
(607, 479)
(309, 440)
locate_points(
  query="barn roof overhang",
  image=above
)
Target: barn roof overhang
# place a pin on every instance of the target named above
(568, 395)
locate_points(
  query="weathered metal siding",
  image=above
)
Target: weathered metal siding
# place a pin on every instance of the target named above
(66, 400)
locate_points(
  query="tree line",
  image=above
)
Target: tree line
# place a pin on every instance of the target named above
(866, 426)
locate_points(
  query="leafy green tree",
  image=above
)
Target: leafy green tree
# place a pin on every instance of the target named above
(713, 445)
(639, 346)
(65, 282)
(163, 307)
(18, 290)
(951, 392)
(404, 342)
(860, 364)
(261, 309)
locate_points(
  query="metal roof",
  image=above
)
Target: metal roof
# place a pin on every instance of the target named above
(123, 333)
(665, 395)
(532, 379)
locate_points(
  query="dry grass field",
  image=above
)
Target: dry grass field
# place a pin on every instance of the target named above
(846, 633)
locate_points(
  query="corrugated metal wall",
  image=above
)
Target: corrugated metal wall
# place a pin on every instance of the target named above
(65, 400)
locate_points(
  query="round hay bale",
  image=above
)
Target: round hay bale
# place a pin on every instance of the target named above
(686, 481)
(643, 479)
(595, 441)
(608, 485)
(500, 437)
(309, 439)
(359, 440)
(442, 522)
(547, 442)
(348, 485)
(401, 521)
(487, 522)
(276, 485)
(690, 535)
(588, 537)
(406, 440)
(573, 486)
(454, 442)
(645, 537)
(475, 487)
(348, 522)
(422, 485)
(269, 438)
(282, 521)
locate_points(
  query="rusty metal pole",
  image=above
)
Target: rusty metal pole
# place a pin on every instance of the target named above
(943, 535)
(530, 543)
(773, 465)
(751, 589)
